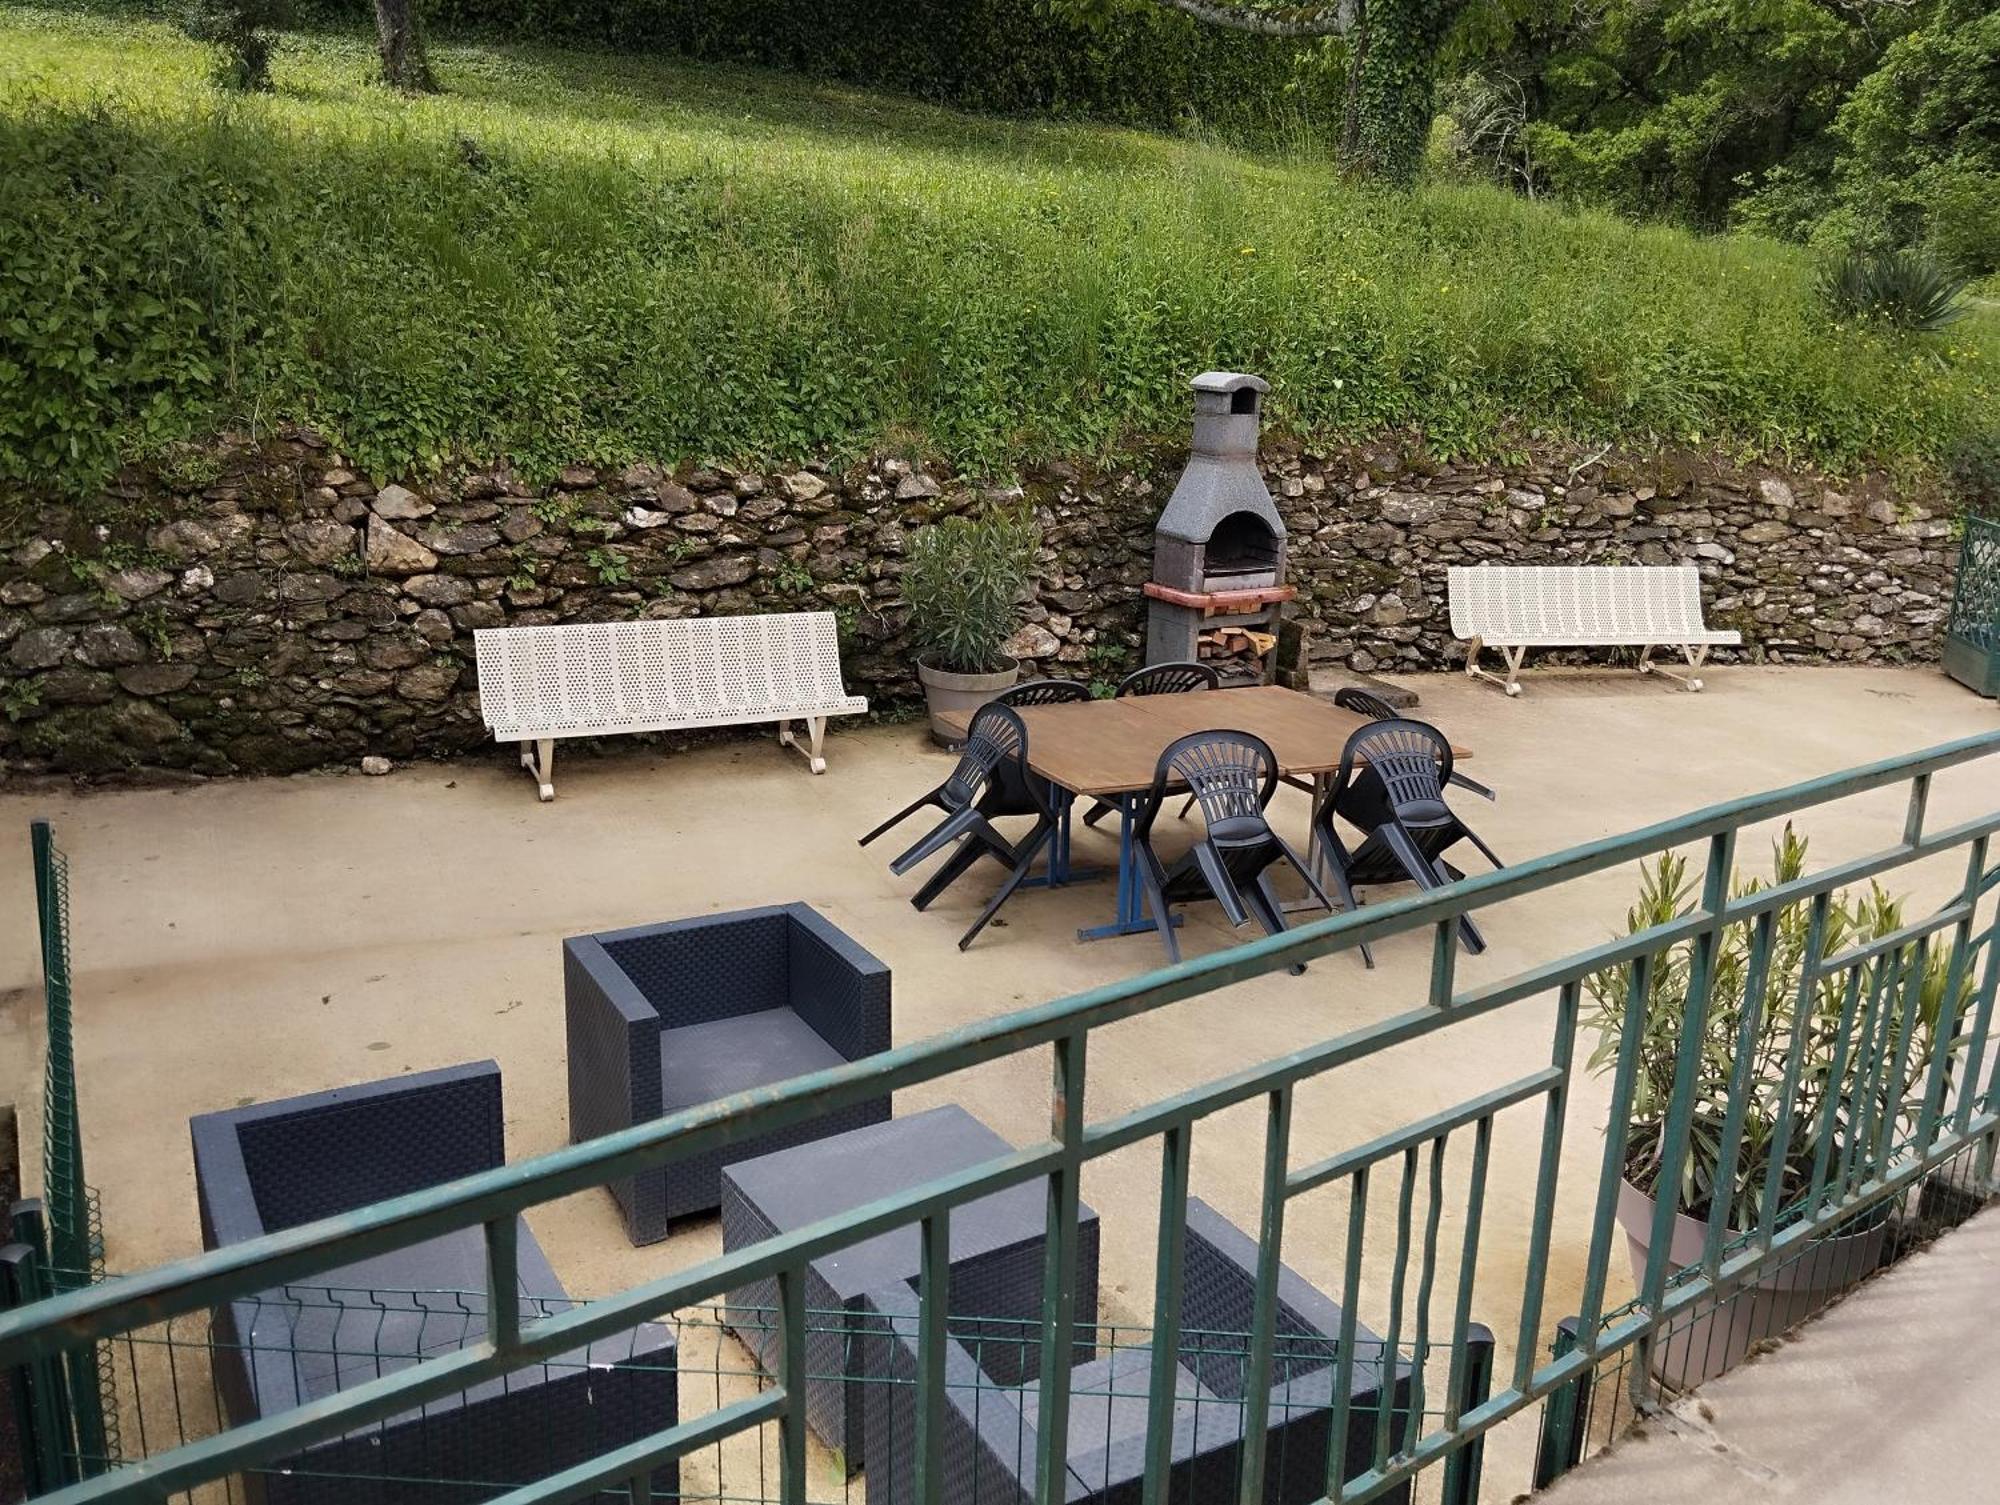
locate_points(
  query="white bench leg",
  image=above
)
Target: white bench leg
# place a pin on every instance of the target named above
(816, 739)
(539, 761)
(1511, 682)
(1696, 655)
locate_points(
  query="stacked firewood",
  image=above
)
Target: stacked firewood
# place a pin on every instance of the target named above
(1235, 642)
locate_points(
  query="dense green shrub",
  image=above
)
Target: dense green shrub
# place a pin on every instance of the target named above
(580, 256)
(1143, 65)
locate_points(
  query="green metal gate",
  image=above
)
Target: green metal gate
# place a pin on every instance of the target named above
(1972, 635)
(1405, 1214)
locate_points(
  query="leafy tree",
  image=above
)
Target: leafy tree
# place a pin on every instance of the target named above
(1394, 52)
(1919, 142)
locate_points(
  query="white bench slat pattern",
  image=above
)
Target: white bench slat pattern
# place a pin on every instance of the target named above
(591, 679)
(1517, 607)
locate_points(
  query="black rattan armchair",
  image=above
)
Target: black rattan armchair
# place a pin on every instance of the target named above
(991, 780)
(1391, 786)
(1375, 708)
(1232, 775)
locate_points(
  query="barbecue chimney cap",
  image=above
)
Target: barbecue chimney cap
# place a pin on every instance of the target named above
(1229, 381)
(1233, 392)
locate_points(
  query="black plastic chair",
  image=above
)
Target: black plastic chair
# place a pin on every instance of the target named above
(1391, 786)
(1179, 678)
(1354, 698)
(990, 781)
(1232, 775)
(1168, 679)
(1043, 692)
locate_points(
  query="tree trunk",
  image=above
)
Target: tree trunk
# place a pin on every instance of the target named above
(1397, 92)
(399, 38)
(1357, 59)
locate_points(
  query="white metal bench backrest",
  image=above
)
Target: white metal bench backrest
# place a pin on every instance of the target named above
(1581, 605)
(589, 677)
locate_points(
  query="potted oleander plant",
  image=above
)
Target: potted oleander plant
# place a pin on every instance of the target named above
(965, 580)
(1832, 1102)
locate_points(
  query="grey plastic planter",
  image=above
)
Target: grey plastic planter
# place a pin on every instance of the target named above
(964, 693)
(1718, 1337)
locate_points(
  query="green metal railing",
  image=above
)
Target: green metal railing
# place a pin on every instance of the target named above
(1972, 632)
(1886, 1151)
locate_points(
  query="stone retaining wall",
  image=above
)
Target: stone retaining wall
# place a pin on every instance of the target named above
(268, 609)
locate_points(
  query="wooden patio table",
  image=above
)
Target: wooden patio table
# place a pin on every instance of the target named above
(1109, 749)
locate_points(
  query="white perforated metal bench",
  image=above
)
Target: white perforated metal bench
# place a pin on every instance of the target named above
(1517, 607)
(593, 679)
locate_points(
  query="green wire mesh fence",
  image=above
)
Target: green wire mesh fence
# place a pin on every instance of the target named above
(168, 1391)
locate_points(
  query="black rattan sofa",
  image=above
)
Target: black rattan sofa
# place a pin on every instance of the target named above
(989, 1418)
(666, 1017)
(277, 1165)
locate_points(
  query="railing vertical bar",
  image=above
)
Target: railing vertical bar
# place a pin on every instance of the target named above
(1872, 1043)
(1975, 1051)
(1554, 1114)
(1392, 1339)
(1690, 1057)
(1059, 1272)
(1176, 1154)
(1468, 1263)
(1722, 1196)
(1639, 987)
(1350, 1301)
(1420, 1347)
(1893, 1106)
(933, 1326)
(1805, 1016)
(1945, 1031)
(503, 1283)
(1444, 962)
(1913, 821)
(1836, 1077)
(791, 1316)
(1877, 1081)
(1264, 1303)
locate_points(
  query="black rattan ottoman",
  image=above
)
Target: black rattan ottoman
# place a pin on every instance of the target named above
(996, 1255)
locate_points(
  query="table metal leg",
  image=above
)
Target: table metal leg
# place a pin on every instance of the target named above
(1132, 917)
(1058, 869)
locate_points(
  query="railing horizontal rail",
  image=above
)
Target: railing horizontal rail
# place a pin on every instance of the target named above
(1347, 1162)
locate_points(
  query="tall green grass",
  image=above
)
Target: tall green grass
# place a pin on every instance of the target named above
(580, 255)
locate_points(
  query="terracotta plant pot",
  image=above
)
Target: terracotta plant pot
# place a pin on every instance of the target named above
(1716, 1338)
(964, 693)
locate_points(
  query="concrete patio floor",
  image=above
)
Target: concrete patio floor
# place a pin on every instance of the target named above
(245, 941)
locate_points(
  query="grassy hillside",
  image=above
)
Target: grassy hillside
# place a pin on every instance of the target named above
(579, 255)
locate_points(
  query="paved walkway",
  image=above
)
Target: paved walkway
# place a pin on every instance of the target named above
(249, 940)
(1889, 1396)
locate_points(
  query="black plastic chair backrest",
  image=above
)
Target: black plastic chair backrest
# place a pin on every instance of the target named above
(1043, 692)
(1409, 761)
(1362, 703)
(1168, 679)
(1231, 774)
(996, 736)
